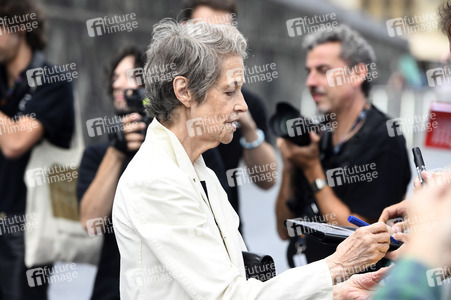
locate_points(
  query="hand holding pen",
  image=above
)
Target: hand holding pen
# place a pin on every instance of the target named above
(357, 222)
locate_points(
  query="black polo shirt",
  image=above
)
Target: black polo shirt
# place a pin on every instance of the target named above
(370, 148)
(52, 104)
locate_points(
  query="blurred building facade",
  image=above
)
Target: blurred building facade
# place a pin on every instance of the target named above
(263, 22)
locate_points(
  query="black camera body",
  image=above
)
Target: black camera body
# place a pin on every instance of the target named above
(134, 99)
(288, 123)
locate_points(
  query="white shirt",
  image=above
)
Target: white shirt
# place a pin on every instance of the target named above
(170, 245)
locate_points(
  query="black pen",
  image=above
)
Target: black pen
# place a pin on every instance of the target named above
(419, 162)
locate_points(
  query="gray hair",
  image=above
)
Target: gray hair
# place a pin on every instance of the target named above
(354, 48)
(444, 12)
(192, 50)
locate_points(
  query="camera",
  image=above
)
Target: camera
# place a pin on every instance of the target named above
(135, 99)
(288, 123)
(135, 102)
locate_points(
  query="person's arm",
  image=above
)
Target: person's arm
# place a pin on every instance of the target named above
(308, 158)
(97, 201)
(15, 140)
(165, 213)
(172, 222)
(327, 201)
(263, 155)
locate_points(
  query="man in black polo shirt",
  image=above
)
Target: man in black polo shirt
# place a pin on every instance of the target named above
(358, 168)
(45, 111)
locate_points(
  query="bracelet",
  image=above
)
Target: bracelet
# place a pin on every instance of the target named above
(254, 144)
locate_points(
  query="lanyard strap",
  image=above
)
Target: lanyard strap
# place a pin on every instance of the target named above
(204, 186)
(361, 117)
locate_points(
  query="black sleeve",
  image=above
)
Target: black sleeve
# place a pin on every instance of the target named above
(389, 187)
(52, 104)
(258, 112)
(90, 162)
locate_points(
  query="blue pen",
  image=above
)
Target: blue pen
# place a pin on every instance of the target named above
(357, 222)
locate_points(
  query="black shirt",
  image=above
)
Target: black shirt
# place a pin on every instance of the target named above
(388, 155)
(233, 152)
(106, 286)
(369, 195)
(52, 105)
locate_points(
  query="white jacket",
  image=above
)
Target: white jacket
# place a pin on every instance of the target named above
(170, 245)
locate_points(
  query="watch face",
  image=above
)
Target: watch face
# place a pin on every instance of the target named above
(318, 184)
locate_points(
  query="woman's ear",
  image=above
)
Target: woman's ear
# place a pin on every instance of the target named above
(181, 91)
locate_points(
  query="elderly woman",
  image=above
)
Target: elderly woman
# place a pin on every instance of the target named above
(177, 233)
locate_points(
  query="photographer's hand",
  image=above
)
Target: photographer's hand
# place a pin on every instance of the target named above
(97, 201)
(306, 157)
(133, 131)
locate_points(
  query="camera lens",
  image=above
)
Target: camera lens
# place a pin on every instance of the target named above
(288, 123)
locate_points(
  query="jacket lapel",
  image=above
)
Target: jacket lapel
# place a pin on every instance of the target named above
(216, 200)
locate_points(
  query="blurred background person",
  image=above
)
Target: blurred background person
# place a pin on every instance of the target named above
(47, 110)
(103, 163)
(251, 140)
(358, 140)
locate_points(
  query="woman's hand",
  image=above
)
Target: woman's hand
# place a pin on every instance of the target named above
(365, 247)
(359, 287)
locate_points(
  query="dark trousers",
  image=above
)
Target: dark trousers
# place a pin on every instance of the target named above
(17, 282)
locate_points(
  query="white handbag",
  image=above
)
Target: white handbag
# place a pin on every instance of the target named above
(53, 228)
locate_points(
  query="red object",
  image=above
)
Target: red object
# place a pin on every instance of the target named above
(439, 125)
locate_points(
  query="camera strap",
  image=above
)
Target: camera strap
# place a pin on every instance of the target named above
(23, 90)
(360, 119)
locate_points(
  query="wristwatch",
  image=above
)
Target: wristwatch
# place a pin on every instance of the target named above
(318, 185)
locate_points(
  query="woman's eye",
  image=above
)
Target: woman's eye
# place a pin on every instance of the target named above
(230, 93)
